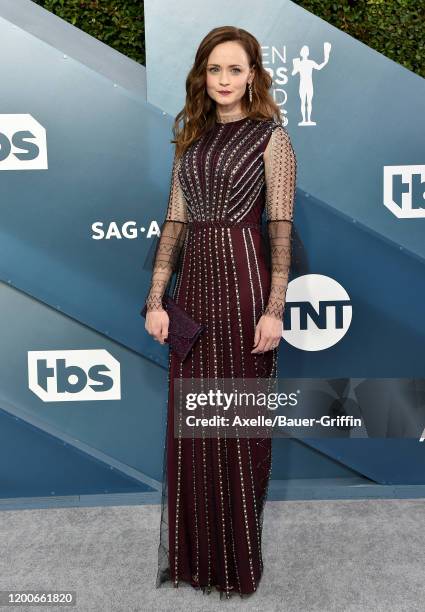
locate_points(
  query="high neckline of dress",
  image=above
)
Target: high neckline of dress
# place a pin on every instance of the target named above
(230, 118)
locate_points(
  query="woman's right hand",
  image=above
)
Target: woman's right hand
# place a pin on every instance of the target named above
(156, 324)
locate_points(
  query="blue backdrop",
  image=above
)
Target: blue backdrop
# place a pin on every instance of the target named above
(85, 169)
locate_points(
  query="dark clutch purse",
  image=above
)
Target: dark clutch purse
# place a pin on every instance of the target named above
(183, 331)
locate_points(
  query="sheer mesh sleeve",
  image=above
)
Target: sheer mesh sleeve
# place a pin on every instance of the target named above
(280, 173)
(170, 242)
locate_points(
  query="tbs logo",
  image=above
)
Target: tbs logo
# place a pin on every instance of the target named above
(404, 191)
(71, 376)
(22, 143)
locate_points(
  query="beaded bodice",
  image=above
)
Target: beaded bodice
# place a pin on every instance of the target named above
(228, 176)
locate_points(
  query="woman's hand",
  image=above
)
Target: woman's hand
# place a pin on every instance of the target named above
(156, 324)
(268, 333)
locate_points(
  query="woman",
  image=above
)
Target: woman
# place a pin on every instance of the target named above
(233, 158)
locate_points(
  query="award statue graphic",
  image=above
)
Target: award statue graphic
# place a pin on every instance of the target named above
(304, 67)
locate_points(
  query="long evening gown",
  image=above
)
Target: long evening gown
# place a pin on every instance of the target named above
(214, 490)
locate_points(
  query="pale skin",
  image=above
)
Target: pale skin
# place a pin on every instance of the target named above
(227, 69)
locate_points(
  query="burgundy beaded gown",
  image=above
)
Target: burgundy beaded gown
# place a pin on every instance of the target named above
(214, 490)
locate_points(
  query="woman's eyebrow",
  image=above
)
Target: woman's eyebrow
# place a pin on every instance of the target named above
(230, 65)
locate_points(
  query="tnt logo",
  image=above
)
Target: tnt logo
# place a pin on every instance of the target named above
(23, 144)
(71, 376)
(404, 190)
(318, 312)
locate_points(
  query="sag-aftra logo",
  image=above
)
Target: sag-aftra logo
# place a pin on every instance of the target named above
(74, 375)
(23, 144)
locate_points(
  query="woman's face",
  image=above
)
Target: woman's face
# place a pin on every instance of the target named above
(228, 71)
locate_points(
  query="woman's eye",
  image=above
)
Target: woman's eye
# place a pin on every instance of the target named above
(215, 68)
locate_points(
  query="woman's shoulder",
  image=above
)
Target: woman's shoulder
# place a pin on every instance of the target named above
(267, 127)
(279, 131)
(270, 124)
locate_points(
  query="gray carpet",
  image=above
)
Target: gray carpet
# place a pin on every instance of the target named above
(325, 555)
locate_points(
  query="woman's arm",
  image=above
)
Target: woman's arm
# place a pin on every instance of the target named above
(280, 174)
(170, 242)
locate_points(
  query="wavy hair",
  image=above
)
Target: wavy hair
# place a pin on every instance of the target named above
(199, 112)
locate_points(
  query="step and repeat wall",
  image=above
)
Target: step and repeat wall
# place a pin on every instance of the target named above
(85, 167)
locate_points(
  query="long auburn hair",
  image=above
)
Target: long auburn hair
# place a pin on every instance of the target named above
(199, 112)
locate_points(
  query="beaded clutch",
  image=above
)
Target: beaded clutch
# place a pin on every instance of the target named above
(183, 331)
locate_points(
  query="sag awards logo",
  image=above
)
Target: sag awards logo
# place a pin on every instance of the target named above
(404, 191)
(74, 375)
(318, 312)
(304, 67)
(23, 144)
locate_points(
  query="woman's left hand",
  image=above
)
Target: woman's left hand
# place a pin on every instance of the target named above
(268, 333)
